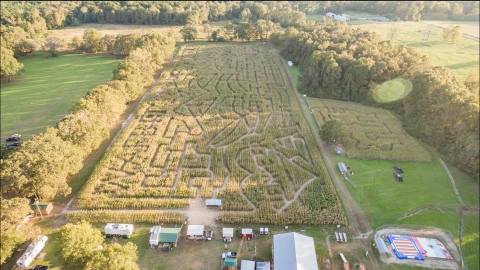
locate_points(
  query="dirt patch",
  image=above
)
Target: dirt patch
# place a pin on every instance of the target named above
(198, 213)
(438, 234)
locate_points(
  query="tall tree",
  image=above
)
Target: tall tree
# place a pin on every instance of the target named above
(189, 33)
(9, 66)
(80, 244)
(52, 45)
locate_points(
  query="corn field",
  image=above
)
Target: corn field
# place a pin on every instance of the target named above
(224, 122)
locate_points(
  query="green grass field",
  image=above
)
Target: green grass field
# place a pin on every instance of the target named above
(48, 89)
(462, 58)
(425, 185)
(392, 90)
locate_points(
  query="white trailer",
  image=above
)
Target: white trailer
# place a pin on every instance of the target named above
(32, 251)
(227, 234)
(115, 229)
(154, 236)
(337, 236)
(196, 232)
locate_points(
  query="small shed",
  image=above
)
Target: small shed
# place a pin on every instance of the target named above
(247, 265)
(342, 168)
(213, 203)
(227, 234)
(169, 236)
(195, 232)
(330, 14)
(247, 233)
(263, 266)
(42, 208)
(230, 263)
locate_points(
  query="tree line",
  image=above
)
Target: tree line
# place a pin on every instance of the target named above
(40, 169)
(399, 10)
(24, 25)
(340, 62)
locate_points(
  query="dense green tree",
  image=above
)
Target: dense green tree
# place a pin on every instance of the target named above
(40, 167)
(189, 33)
(115, 256)
(451, 34)
(333, 131)
(12, 212)
(9, 66)
(92, 41)
(80, 243)
(245, 31)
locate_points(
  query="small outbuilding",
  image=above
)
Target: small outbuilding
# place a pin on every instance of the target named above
(230, 263)
(227, 234)
(43, 209)
(195, 232)
(213, 203)
(247, 265)
(247, 233)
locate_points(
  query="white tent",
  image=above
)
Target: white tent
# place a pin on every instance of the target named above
(227, 232)
(195, 231)
(290, 63)
(294, 251)
(247, 265)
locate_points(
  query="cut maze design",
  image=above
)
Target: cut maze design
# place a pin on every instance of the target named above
(374, 133)
(224, 123)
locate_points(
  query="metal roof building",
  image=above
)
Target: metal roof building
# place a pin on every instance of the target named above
(294, 251)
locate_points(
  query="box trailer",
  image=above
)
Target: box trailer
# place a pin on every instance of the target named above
(32, 251)
(115, 229)
(154, 236)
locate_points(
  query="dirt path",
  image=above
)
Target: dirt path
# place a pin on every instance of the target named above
(454, 185)
(297, 193)
(358, 220)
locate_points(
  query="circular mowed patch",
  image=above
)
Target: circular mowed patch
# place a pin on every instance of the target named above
(392, 90)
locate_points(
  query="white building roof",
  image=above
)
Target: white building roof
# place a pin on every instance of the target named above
(247, 265)
(247, 231)
(213, 202)
(227, 232)
(195, 229)
(294, 251)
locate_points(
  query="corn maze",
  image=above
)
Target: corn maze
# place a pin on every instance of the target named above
(374, 133)
(224, 123)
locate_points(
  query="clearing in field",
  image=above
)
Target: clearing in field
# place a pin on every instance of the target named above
(392, 90)
(376, 133)
(48, 88)
(223, 123)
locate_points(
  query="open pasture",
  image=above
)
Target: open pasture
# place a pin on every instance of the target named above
(375, 133)
(223, 123)
(48, 88)
(426, 37)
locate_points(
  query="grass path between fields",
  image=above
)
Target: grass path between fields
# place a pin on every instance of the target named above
(357, 218)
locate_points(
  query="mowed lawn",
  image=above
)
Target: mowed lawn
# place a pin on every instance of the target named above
(48, 88)
(426, 185)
